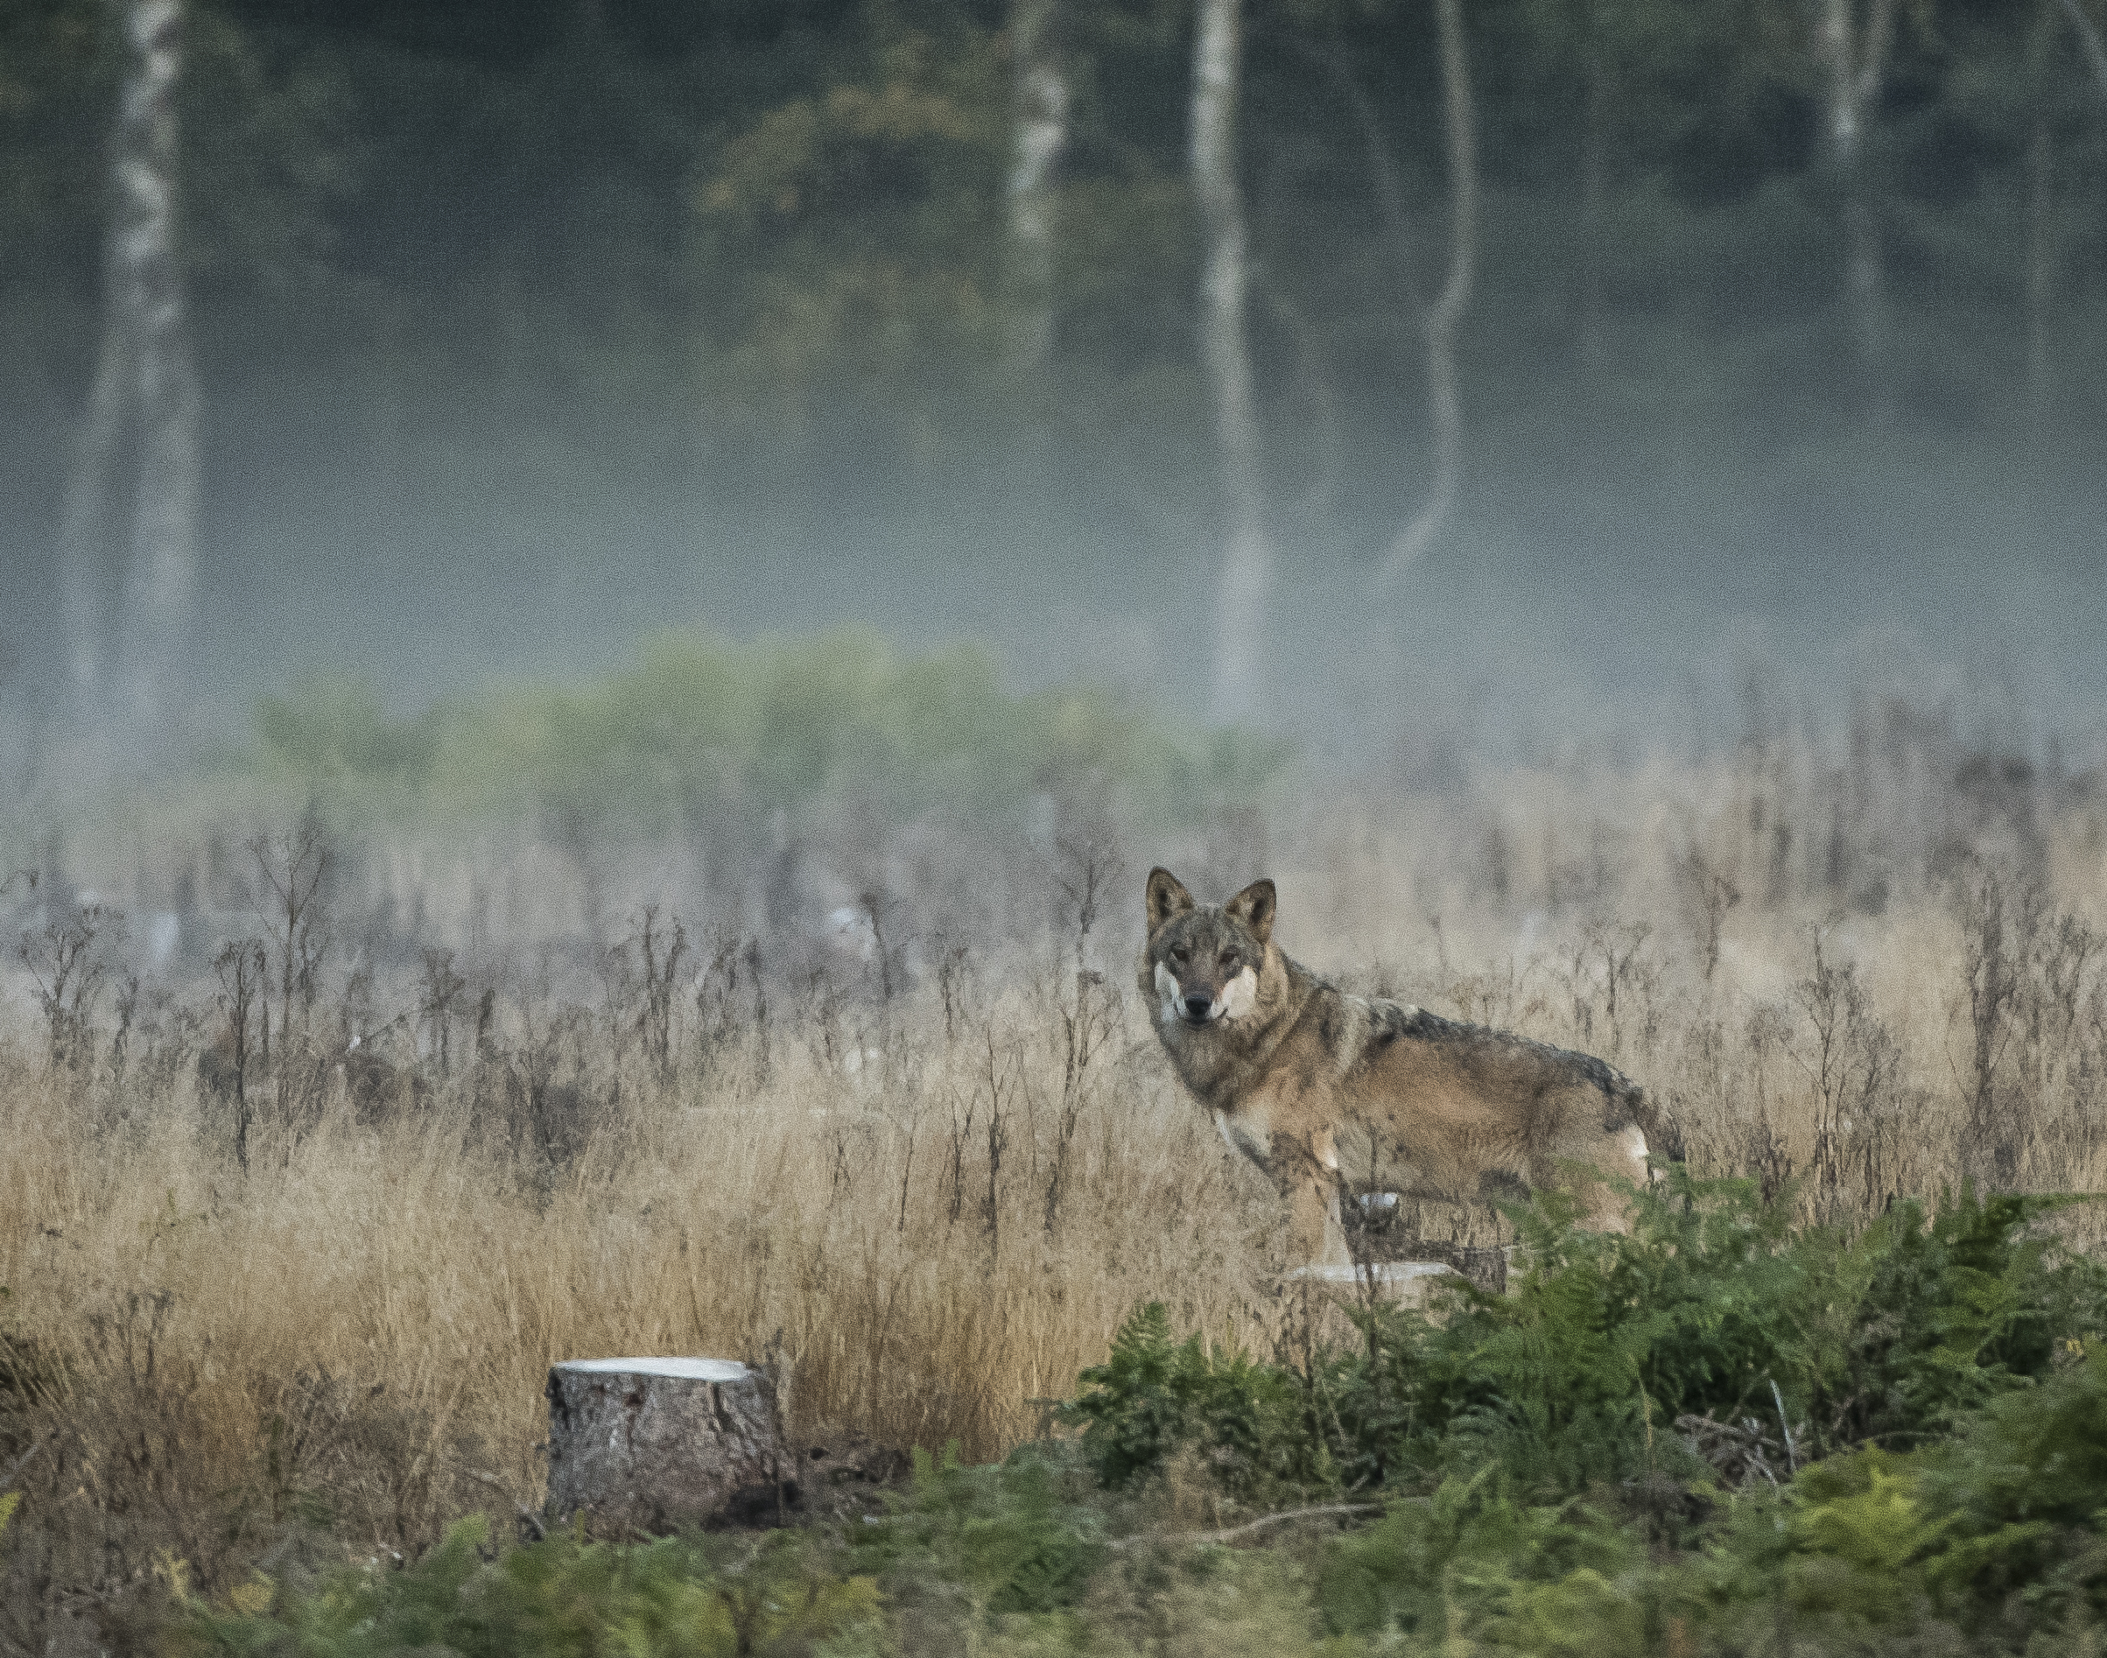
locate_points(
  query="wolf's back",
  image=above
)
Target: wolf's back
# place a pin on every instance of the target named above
(1624, 1103)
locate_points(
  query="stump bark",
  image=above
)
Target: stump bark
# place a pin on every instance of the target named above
(655, 1445)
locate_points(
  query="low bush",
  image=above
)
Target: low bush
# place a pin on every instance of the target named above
(676, 1598)
(771, 725)
(1615, 1356)
(1595, 1463)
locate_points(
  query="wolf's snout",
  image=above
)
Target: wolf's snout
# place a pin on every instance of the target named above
(1198, 1004)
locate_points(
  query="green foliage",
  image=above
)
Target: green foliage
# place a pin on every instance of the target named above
(1992, 1538)
(778, 724)
(1545, 1579)
(1004, 1538)
(1540, 1497)
(869, 215)
(552, 1599)
(1942, 1317)
(332, 729)
(1153, 1396)
(1709, 1306)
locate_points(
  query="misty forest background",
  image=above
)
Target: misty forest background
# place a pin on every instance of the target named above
(604, 602)
(518, 331)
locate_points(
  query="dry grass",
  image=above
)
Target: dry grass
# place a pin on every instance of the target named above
(935, 1196)
(359, 1325)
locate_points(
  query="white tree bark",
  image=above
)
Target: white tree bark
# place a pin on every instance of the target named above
(1594, 188)
(2088, 38)
(84, 529)
(1444, 392)
(1854, 61)
(145, 388)
(1039, 132)
(2041, 227)
(1225, 352)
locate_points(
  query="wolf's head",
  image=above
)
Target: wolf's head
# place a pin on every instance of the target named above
(1206, 963)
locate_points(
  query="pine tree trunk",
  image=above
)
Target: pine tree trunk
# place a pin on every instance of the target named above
(1039, 132)
(1247, 567)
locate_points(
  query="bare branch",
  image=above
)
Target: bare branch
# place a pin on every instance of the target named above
(1231, 1533)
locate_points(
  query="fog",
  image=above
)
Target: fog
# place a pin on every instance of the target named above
(606, 604)
(521, 333)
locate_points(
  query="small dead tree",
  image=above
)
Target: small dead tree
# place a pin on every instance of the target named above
(1090, 1015)
(68, 972)
(1621, 951)
(1852, 1067)
(1997, 926)
(998, 1063)
(661, 953)
(242, 968)
(442, 997)
(1707, 895)
(294, 872)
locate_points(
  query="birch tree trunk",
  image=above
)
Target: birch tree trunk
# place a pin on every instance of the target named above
(1854, 61)
(145, 390)
(1594, 187)
(84, 527)
(1039, 132)
(1247, 566)
(2041, 230)
(1445, 315)
(2089, 39)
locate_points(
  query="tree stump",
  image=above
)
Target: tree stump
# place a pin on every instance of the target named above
(653, 1445)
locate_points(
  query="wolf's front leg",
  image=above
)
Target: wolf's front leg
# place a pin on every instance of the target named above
(1316, 1236)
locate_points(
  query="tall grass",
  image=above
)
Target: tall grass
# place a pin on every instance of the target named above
(928, 1169)
(357, 1327)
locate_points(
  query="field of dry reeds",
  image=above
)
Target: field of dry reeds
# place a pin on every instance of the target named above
(291, 1229)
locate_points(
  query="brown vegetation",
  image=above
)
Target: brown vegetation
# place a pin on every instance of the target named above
(288, 1296)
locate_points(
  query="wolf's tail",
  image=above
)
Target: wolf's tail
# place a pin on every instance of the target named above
(1664, 1135)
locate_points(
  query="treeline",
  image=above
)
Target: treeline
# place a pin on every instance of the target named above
(735, 241)
(784, 202)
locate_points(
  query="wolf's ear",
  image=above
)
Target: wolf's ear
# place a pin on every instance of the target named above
(1253, 908)
(1167, 898)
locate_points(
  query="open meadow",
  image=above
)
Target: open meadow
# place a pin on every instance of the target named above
(608, 609)
(293, 1223)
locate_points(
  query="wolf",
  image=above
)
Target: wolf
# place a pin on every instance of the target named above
(1324, 1090)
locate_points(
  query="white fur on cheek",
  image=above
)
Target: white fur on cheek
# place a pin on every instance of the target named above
(1167, 988)
(1240, 994)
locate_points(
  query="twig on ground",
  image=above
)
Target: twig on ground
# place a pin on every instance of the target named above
(1321, 1511)
(526, 1516)
(21, 1462)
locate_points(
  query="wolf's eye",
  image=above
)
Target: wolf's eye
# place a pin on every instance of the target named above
(1178, 954)
(1230, 961)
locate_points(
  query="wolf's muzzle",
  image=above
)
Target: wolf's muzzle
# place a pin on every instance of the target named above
(1197, 1009)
